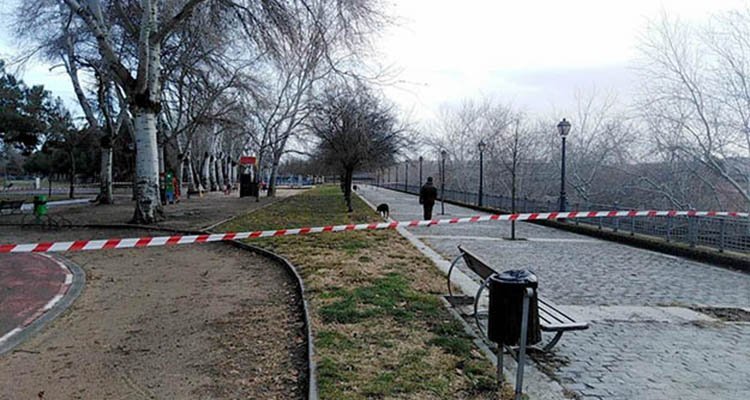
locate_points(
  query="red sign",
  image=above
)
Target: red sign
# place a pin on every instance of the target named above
(247, 160)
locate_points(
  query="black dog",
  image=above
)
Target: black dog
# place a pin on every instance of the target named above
(384, 210)
(355, 187)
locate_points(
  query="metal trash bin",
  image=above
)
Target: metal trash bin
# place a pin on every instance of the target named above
(506, 308)
(40, 205)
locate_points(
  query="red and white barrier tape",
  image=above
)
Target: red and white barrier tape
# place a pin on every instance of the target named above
(80, 245)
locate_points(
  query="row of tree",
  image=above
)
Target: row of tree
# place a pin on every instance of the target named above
(190, 85)
(684, 142)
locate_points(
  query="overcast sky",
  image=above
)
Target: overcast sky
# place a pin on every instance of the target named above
(533, 53)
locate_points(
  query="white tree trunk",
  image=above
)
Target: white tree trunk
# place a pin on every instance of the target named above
(106, 195)
(230, 171)
(272, 180)
(217, 172)
(160, 143)
(148, 203)
(212, 173)
(195, 176)
(206, 172)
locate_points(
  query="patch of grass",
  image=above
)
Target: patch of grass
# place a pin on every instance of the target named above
(381, 330)
(332, 339)
(330, 377)
(387, 296)
(412, 374)
(457, 346)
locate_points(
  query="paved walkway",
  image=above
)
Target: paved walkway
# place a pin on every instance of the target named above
(644, 342)
(30, 286)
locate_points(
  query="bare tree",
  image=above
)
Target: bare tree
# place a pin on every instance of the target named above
(138, 73)
(355, 131)
(601, 137)
(514, 149)
(693, 101)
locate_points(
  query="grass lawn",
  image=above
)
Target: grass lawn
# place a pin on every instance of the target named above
(380, 328)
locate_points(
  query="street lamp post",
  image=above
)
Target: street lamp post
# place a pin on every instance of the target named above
(482, 145)
(563, 128)
(406, 176)
(420, 169)
(443, 153)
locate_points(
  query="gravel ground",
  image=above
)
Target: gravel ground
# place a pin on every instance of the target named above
(195, 213)
(195, 321)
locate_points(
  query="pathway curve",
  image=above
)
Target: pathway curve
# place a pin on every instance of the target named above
(32, 286)
(197, 321)
(638, 346)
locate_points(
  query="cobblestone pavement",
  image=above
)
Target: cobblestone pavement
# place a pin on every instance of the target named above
(615, 358)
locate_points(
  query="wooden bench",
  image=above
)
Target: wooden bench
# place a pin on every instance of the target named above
(10, 205)
(551, 318)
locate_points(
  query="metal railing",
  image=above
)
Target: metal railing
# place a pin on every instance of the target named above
(719, 233)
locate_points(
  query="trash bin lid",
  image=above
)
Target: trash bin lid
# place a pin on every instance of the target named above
(516, 276)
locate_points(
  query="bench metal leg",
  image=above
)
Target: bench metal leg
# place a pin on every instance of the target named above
(553, 342)
(450, 271)
(476, 304)
(522, 348)
(500, 375)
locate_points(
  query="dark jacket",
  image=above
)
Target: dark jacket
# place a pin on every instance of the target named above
(428, 194)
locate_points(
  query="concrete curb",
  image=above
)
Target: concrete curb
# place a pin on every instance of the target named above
(312, 380)
(74, 290)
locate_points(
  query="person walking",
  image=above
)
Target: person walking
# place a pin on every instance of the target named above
(427, 196)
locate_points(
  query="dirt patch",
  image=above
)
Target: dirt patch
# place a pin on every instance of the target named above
(181, 322)
(193, 213)
(190, 321)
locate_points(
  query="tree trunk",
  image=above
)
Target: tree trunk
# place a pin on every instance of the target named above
(148, 204)
(194, 176)
(258, 176)
(212, 173)
(217, 170)
(206, 172)
(71, 193)
(513, 203)
(348, 189)
(106, 195)
(271, 192)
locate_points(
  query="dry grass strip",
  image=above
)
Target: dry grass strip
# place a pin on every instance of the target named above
(380, 328)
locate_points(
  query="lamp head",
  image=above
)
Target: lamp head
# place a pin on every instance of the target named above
(563, 127)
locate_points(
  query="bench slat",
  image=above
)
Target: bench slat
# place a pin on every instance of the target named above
(476, 264)
(551, 319)
(553, 313)
(578, 326)
(550, 322)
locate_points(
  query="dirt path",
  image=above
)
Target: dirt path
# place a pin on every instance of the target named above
(195, 213)
(197, 321)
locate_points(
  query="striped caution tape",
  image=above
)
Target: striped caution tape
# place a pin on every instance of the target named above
(116, 243)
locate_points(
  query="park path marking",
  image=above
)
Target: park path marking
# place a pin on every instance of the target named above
(153, 241)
